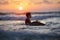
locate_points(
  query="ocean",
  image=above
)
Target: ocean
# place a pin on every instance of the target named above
(12, 27)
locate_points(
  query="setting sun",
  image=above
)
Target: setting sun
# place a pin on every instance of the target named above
(20, 8)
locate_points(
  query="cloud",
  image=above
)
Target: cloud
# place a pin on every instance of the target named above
(45, 1)
(3, 2)
(58, 2)
(17, 2)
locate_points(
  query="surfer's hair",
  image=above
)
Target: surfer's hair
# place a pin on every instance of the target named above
(28, 14)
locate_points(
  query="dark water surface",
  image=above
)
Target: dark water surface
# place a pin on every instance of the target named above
(12, 27)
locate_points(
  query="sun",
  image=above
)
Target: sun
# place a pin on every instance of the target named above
(20, 8)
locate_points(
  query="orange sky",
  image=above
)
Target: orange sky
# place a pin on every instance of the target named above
(29, 5)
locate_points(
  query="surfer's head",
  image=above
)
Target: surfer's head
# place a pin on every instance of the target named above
(28, 15)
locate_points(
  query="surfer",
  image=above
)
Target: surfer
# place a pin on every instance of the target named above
(28, 21)
(28, 16)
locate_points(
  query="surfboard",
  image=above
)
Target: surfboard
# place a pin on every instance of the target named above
(37, 23)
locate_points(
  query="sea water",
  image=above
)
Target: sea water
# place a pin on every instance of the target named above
(12, 27)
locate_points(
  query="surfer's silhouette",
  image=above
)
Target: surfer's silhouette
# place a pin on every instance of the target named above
(28, 21)
(28, 16)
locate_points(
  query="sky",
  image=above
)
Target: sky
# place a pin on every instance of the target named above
(29, 5)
